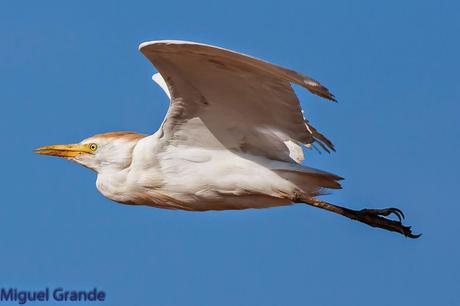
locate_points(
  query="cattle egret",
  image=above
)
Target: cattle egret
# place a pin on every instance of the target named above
(232, 139)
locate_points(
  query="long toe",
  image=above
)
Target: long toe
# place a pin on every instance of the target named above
(385, 212)
(376, 218)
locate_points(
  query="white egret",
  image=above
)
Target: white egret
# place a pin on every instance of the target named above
(232, 139)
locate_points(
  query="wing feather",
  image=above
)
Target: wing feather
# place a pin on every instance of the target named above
(224, 99)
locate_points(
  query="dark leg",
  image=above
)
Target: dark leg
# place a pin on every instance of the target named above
(372, 217)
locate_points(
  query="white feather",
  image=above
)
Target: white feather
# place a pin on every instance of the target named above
(157, 78)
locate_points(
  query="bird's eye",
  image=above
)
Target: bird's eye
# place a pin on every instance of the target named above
(93, 147)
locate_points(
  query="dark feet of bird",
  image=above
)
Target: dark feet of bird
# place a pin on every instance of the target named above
(375, 218)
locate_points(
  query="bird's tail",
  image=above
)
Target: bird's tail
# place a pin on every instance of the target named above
(311, 181)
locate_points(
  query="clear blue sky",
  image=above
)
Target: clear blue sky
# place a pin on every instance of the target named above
(70, 69)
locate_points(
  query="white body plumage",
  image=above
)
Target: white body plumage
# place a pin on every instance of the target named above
(201, 179)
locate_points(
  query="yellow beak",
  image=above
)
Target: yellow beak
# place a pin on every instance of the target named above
(67, 150)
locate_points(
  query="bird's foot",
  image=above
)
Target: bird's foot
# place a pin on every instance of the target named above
(376, 218)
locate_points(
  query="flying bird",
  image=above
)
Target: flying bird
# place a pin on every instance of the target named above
(231, 139)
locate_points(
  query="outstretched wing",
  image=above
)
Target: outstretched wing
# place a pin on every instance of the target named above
(223, 99)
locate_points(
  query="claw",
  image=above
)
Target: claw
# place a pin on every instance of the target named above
(397, 212)
(376, 218)
(406, 230)
(385, 212)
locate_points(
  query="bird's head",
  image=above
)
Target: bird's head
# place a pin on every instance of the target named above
(99, 152)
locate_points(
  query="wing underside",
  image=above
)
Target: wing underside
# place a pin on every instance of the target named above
(220, 98)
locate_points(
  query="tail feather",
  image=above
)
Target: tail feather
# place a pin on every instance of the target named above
(311, 181)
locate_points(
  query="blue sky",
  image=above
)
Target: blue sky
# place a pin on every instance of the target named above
(70, 69)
